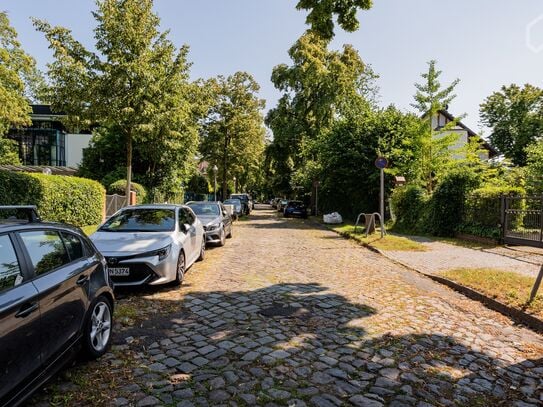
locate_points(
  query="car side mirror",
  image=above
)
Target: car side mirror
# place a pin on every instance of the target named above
(186, 227)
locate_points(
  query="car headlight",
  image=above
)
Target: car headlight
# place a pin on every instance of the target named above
(212, 226)
(164, 252)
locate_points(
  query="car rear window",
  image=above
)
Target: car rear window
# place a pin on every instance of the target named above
(141, 220)
(295, 204)
(205, 209)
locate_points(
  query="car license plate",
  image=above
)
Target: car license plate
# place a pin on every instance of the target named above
(119, 271)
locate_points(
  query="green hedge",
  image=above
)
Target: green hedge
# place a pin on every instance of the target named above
(409, 206)
(77, 201)
(482, 211)
(119, 188)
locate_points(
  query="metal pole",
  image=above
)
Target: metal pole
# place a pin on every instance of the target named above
(536, 285)
(382, 203)
(215, 189)
(317, 200)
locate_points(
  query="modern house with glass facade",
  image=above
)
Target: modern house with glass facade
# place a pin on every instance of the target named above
(46, 142)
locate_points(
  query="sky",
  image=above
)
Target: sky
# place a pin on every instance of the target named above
(484, 43)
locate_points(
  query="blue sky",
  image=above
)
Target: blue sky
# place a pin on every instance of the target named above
(482, 42)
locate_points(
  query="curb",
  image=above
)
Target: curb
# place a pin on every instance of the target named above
(514, 314)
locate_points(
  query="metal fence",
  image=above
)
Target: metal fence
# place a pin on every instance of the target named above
(522, 220)
(114, 203)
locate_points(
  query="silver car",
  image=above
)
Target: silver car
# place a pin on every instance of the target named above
(216, 220)
(150, 244)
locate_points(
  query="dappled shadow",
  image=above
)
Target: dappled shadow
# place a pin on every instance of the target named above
(302, 342)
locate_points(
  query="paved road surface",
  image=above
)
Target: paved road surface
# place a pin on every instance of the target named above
(290, 314)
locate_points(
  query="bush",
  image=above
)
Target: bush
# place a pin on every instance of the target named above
(409, 205)
(119, 188)
(482, 211)
(447, 203)
(77, 201)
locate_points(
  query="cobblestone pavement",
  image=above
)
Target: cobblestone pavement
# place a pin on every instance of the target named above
(290, 314)
(442, 256)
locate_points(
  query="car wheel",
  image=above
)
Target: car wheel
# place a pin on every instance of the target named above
(202, 249)
(180, 271)
(229, 236)
(222, 239)
(97, 329)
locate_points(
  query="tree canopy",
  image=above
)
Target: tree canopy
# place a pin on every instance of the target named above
(515, 116)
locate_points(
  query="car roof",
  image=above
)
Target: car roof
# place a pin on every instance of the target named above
(22, 225)
(204, 203)
(154, 206)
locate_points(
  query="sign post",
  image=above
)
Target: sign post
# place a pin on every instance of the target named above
(316, 185)
(382, 163)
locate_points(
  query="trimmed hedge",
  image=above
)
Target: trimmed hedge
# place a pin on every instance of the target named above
(73, 200)
(119, 188)
(410, 208)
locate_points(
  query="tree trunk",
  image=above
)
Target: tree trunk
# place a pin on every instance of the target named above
(128, 167)
(225, 163)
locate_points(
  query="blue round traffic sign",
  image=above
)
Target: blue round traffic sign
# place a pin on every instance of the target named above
(381, 163)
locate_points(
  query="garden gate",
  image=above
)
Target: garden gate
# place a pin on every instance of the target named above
(522, 220)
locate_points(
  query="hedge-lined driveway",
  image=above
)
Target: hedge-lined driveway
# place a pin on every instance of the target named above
(290, 314)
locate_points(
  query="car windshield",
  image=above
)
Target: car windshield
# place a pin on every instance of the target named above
(240, 197)
(141, 220)
(232, 202)
(205, 209)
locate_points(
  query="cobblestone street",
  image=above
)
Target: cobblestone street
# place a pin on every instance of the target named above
(290, 314)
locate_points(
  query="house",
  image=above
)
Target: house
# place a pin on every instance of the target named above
(442, 118)
(47, 143)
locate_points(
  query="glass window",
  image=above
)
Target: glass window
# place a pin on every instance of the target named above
(141, 220)
(74, 246)
(10, 272)
(46, 250)
(205, 209)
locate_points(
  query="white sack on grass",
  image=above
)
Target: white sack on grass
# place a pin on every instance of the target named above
(332, 218)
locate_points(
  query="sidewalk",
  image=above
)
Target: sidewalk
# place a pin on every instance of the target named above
(442, 256)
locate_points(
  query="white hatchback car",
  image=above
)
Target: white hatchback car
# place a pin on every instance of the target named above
(150, 244)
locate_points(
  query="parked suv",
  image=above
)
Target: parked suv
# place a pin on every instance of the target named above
(246, 202)
(55, 300)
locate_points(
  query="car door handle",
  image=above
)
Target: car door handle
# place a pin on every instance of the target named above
(82, 280)
(26, 310)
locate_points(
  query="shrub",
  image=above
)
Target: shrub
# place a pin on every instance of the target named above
(410, 208)
(447, 203)
(73, 200)
(119, 187)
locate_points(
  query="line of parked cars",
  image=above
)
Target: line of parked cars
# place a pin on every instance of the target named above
(290, 208)
(56, 284)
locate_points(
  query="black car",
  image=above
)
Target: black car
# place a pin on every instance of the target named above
(56, 301)
(295, 208)
(216, 220)
(246, 202)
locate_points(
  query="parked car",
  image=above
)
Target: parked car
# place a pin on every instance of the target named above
(245, 201)
(295, 208)
(150, 244)
(281, 205)
(216, 220)
(56, 301)
(238, 207)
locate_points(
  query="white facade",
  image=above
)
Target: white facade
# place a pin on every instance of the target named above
(75, 144)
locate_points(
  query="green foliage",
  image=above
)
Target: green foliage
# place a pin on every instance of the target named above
(410, 206)
(72, 200)
(135, 85)
(199, 184)
(119, 188)
(534, 168)
(482, 210)
(8, 152)
(233, 134)
(447, 202)
(322, 12)
(515, 116)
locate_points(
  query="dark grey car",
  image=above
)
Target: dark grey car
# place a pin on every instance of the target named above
(55, 301)
(216, 220)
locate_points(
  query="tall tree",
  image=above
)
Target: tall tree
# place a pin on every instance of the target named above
(515, 116)
(432, 153)
(18, 80)
(233, 134)
(322, 12)
(136, 83)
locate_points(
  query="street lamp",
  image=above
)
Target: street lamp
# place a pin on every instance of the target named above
(235, 186)
(215, 169)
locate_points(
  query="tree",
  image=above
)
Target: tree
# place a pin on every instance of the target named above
(431, 149)
(322, 12)
(135, 84)
(534, 168)
(515, 116)
(18, 80)
(233, 133)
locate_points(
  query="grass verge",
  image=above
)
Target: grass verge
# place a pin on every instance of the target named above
(504, 286)
(387, 243)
